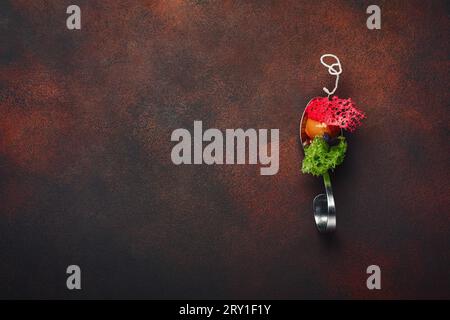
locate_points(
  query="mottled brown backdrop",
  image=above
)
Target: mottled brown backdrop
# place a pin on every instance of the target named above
(86, 176)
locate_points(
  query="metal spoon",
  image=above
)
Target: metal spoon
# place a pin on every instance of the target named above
(323, 204)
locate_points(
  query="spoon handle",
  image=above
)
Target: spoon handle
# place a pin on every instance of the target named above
(324, 208)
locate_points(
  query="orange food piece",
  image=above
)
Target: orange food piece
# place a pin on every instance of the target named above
(316, 128)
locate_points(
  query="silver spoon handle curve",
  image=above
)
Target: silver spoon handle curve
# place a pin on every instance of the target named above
(324, 208)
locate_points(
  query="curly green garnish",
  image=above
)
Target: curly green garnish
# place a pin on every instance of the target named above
(320, 157)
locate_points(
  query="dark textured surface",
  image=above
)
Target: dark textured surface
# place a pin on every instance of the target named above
(85, 170)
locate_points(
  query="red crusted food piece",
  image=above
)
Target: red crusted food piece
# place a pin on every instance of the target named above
(335, 112)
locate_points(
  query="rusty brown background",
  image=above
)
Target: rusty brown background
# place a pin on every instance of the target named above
(85, 170)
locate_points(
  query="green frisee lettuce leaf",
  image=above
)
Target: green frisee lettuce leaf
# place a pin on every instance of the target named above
(320, 157)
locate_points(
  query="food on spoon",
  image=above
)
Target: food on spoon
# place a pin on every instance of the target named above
(330, 140)
(335, 112)
(324, 120)
(320, 157)
(316, 128)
